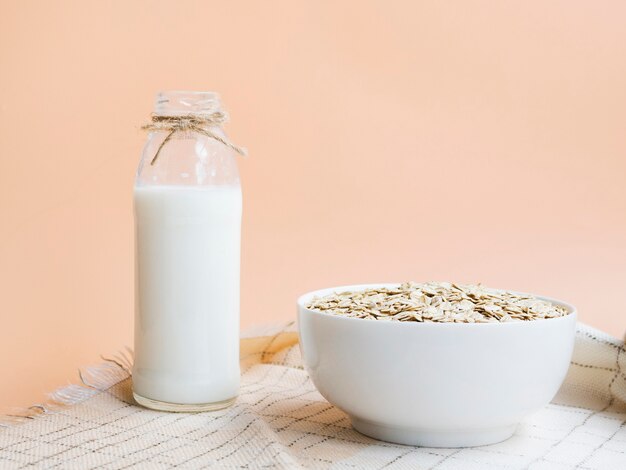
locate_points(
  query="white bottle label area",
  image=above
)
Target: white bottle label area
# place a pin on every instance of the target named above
(187, 293)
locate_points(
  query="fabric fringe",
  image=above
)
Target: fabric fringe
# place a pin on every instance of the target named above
(93, 380)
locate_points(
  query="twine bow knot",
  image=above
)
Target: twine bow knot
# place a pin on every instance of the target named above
(200, 123)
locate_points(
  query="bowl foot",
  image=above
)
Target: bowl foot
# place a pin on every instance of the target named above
(426, 438)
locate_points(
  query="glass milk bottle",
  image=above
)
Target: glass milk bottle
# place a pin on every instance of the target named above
(187, 200)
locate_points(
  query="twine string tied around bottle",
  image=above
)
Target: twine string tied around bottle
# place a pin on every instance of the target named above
(200, 123)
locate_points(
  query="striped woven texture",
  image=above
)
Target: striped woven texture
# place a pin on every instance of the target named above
(280, 421)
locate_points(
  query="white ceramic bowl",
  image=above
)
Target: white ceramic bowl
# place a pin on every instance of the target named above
(435, 384)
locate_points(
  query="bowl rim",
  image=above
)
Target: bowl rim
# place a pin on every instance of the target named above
(572, 312)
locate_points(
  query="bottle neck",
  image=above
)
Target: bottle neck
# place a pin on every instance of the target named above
(181, 103)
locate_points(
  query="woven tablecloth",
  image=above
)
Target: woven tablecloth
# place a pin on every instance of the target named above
(281, 421)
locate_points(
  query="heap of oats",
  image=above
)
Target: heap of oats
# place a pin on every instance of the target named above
(437, 302)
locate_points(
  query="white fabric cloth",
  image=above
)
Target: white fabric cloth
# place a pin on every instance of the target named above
(281, 421)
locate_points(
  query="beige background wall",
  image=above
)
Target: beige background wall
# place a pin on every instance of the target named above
(468, 141)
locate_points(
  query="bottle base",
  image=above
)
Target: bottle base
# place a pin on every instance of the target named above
(182, 408)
